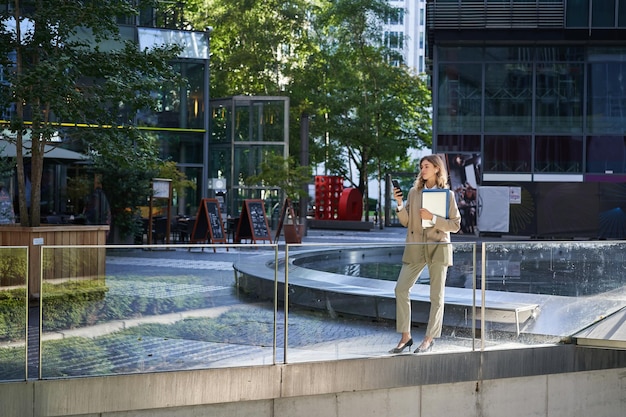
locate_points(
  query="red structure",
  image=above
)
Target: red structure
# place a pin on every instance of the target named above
(328, 190)
(350, 205)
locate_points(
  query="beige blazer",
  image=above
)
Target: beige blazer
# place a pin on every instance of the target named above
(439, 233)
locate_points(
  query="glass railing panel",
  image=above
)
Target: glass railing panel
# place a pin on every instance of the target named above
(342, 304)
(152, 308)
(538, 292)
(13, 313)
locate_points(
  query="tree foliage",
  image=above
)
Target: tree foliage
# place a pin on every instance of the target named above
(253, 42)
(329, 58)
(126, 160)
(285, 174)
(66, 63)
(368, 112)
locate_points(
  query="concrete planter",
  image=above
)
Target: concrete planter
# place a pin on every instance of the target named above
(61, 263)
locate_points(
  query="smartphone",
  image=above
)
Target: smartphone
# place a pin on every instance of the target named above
(395, 183)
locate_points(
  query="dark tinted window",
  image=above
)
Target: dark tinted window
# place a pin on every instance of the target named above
(507, 154)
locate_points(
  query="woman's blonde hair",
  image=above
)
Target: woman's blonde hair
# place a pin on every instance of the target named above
(442, 174)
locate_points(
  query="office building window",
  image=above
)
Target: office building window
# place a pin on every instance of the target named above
(460, 54)
(606, 154)
(508, 97)
(557, 154)
(394, 40)
(511, 54)
(458, 108)
(577, 13)
(259, 121)
(189, 200)
(458, 143)
(248, 160)
(603, 13)
(559, 97)
(182, 147)
(396, 17)
(220, 164)
(221, 124)
(606, 101)
(179, 106)
(621, 13)
(507, 154)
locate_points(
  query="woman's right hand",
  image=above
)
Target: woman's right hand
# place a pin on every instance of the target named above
(397, 194)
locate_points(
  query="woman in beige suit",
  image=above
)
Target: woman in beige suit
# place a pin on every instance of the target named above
(418, 255)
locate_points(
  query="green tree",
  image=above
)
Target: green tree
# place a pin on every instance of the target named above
(285, 174)
(367, 112)
(253, 43)
(66, 63)
(329, 58)
(126, 160)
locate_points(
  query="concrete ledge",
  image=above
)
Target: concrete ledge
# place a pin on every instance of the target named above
(263, 390)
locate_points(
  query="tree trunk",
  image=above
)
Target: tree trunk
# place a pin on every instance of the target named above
(36, 171)
(19, 112)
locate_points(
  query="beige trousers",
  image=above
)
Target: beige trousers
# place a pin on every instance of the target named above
(406, 279)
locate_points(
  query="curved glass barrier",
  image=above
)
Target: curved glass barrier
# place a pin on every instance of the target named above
(548, 291)
(351, 289)
(151, 308)
(156, 308)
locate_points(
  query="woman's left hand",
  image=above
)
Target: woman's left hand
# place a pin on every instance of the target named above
(425, 214)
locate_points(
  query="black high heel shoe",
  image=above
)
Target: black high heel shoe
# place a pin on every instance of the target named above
(399, 349)
(421, 349)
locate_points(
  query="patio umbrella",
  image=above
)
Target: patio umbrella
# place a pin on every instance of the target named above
(7, 149)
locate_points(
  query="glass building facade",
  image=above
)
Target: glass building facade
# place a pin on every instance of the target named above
(538, 90)
(244, 131)
(228, 141)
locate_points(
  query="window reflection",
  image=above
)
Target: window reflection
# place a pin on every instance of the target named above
(248, 161)
(188, 201)
(178, 106)
(606, 154)
(221, 124)
(558, 154)
(603, 13)
(459, 105)
(538, 105)
(458, 143)
(577, 13)
(508, 97)
(182, 147)
(220, 161)
(559, 96)
(259, 121)
(607, 95)
(507, 154)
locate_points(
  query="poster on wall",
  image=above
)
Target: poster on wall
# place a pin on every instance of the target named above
(464, 170)
(515, 195)
(493, 209)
